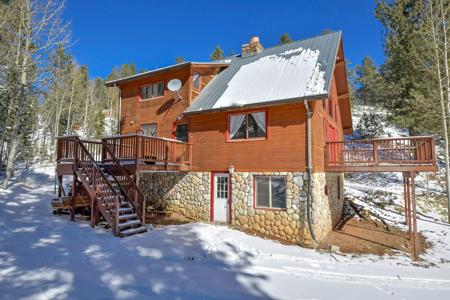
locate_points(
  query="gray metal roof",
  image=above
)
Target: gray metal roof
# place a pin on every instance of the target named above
(326, 45)
(161, 70)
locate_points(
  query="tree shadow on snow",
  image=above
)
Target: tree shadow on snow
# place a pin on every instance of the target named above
(47, 256)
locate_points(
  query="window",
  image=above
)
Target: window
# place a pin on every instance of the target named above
(271, 191)
(154, 90)
(149, 129)
(182, 133)
(247, 126)
(196, 80)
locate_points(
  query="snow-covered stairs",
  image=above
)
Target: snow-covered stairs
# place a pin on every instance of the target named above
(129, 223)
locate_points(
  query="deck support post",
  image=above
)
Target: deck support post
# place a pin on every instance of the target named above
(74, 195)
(409, 189)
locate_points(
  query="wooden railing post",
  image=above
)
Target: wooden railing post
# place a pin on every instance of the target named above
(138, 143)
(375, 153)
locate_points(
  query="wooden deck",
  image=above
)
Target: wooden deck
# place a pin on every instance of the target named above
(134, 152)
(406, 154)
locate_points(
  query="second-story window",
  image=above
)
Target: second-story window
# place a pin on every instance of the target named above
(196, 81)
(150, 91)
(247, 126)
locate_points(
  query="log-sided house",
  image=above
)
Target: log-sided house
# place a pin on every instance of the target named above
(255, 141)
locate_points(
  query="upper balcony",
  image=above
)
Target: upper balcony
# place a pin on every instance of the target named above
(134, 152)
(406, 154)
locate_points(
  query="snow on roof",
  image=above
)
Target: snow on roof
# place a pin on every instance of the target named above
(291, 74)
(286, 72)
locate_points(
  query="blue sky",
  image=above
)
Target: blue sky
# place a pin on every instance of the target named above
(152, 33)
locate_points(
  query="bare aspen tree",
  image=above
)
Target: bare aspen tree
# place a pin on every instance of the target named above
(438, 33)
(36, 31)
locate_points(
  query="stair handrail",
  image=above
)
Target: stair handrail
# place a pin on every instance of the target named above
(112, 219)
(138, 201)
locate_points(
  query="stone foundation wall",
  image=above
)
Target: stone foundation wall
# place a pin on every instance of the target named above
(190, 194)
(285, 224)
(185, 193)
(328, 201)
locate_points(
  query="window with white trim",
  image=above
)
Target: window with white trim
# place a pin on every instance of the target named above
(150, 91)
(247, 126)
(270, 191)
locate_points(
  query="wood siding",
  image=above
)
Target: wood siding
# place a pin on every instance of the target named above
(320, 119)
(283, 150)
(163, 110)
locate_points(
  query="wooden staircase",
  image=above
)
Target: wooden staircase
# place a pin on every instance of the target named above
(113, 192)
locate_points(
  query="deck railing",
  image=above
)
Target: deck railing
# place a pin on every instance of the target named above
(415, 153)
(141, 148)
(67, 148)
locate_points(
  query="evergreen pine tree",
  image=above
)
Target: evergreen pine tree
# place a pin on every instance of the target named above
(285, 39)
(369, 126)
(368, 82)
(217, 54)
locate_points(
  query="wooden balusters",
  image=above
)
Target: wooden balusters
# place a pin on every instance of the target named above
(410, 153)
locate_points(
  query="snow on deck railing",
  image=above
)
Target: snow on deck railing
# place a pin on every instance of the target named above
(381, 152)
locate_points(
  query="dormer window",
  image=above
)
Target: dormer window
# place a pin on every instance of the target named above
(150, 91)
(196, 80)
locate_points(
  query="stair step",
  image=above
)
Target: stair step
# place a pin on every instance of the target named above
(127, 217)
(132, 231)
(125, 210)
(129, 223)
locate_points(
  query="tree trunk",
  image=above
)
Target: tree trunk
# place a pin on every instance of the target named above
(70, 106)
(447, 87)
(444, 110)
(15, 137)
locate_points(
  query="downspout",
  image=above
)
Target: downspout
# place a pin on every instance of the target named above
(309, 167)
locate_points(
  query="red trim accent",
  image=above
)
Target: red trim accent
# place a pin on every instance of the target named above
(230, 200)
(211, 213)
(211, 210)
(247, 111)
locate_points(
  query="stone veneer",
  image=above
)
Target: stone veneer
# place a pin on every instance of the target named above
(190, 194)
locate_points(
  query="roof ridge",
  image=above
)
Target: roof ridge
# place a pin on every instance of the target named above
(296, 41)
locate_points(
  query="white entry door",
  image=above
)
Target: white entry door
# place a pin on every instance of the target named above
(221, 197)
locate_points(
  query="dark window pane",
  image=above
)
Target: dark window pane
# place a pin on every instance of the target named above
(278, 192)
(262, 192)
(159, 89)
(144, 92)
(241, 132)
(255, 129)
(182, 133)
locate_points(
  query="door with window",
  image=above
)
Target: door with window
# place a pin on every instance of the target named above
(221, 198)
(149, 129)
(182, 133)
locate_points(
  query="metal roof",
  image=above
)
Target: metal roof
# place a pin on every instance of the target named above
(161, 70)
(326, 45)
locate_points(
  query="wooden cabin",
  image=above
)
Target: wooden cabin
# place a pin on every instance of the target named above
(256, 141)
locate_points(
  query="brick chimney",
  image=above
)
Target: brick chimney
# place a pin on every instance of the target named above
(253, 47)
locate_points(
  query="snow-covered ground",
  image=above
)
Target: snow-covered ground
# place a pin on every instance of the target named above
(43, 256)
